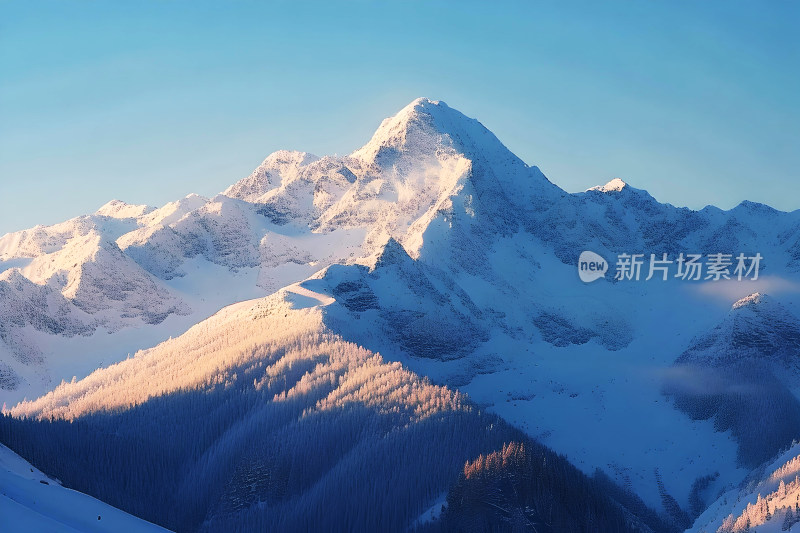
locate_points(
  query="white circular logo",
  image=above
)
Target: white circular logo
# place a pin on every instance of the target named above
(591, 266)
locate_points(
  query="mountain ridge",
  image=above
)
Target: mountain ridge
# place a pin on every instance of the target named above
(432, 245)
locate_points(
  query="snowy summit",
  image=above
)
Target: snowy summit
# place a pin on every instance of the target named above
(614, 185)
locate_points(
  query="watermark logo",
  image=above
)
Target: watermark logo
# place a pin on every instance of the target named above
(591, 266)
(689, 267)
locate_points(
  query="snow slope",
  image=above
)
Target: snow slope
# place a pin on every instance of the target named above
(596, 397)
(31, 501)
(761, 503)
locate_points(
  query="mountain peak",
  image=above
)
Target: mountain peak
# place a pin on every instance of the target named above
(614, 185)
(424, 127)
(426, 103)
(755, 208)
(419, 106)
(120, 209)
(393, 253)
(753, 300)
(759, 303)
(618, 189)
(757, 327)
(270, 174)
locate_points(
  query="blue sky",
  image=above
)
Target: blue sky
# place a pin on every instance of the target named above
(149, 101)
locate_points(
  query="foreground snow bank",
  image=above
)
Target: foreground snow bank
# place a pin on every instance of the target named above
(31, 501)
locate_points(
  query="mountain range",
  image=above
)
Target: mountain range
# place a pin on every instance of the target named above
(418, 297)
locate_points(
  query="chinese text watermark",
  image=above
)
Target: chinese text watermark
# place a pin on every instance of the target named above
(691, 267)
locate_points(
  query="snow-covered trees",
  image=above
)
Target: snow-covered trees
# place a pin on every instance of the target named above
(257, 419)
(262, 419)
(770, 496)
(523, 486)
(789, 520)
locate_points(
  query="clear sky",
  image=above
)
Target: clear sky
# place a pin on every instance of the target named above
(696, 102)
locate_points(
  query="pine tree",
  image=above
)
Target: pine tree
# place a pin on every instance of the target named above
(789, 521)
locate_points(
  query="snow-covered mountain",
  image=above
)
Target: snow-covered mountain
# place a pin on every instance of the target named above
(742, 374)
(767, 501)
(261, 418)
(757, 328)
(438, 248)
